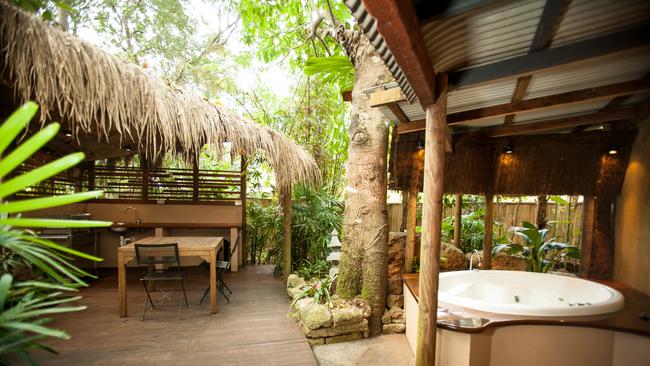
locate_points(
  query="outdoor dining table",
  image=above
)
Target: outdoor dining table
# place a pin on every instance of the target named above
(204, 247)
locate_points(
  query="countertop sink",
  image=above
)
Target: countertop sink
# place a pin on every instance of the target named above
(119, 227)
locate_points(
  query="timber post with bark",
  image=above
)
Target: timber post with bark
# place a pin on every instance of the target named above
(286, 232)
(542, 206)
(364, 251)
(434, 163)
(487, 232)
(458, 213)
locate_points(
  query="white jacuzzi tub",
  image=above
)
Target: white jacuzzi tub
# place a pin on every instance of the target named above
(527, 293)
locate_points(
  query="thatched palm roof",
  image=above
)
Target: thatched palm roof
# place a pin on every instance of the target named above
(96, 93)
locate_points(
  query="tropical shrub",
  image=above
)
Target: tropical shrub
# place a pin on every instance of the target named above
(313, 269)
(318, 289)
(37, 273)
(472, 229)
(540, 253)
(314, 214)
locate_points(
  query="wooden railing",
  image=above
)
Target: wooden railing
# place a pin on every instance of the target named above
(130, 184)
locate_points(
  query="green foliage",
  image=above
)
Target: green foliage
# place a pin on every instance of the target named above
(263, 232)
(24, 302)
(540, 253)
(332, 69)
(318, 268)
(314, 215)
(318, 289)
(46, 9)
(471, 232)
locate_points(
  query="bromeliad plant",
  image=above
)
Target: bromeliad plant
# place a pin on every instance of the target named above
(318, 289)
(540, 253)
(26, 300)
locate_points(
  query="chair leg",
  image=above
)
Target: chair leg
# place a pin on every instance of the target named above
(226, 286)
(223, 293)
(187, 303)
(144, 310)
(205, 294)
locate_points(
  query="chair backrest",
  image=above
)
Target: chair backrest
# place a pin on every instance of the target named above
(157, 254)
(234, 247)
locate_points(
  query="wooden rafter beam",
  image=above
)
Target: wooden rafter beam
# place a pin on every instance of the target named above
(560, 123)
(397, 22)
(388, 96)
(518, 95)
(398, 112)
(553, 101)
(548, 24)
(550, 58)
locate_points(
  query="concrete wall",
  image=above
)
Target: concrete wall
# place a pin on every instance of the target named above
(632, 236)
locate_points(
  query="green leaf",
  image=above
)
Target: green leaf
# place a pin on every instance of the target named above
(28, 148)
(53, 223)
(16, 122)
(5, 283)
(61, 248)
(31, 327)
(39, 174)
(47, 202)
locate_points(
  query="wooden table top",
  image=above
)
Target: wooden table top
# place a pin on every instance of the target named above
(184, 242)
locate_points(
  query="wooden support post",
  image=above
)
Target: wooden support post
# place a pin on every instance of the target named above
(195, 178)
(244, 197)
(411, 218)
(458, 210)
(235, 255)
(432, 207)
(487, 233)
(405, 206)
(586, 245)
(286, 230)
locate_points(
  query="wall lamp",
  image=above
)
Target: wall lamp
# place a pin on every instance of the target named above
(612, 150)
(420, 143)
(508, 149)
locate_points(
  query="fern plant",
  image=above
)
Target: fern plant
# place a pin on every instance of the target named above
(25, 304)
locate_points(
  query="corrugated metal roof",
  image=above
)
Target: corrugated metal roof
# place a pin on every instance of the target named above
(482, 36)
(413, 111)
(592, 18)
(591, 73)
(479, 96)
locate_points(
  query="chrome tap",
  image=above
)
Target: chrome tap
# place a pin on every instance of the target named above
(137, 219)
(471, 259)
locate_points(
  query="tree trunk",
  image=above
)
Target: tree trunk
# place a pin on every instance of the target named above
(542, 204)
(286, 233)
(458, 217)
(364, 251)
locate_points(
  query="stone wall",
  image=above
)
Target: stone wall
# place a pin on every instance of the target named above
(340, 321)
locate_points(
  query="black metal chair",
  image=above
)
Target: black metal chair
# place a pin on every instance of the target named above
(163, 255)
(222, 267)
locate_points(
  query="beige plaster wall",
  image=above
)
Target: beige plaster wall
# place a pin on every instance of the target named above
(632, 236)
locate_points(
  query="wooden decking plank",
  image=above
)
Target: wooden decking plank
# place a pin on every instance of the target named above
(252, 329)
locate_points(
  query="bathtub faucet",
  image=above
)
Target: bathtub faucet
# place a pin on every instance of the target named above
(471, 259)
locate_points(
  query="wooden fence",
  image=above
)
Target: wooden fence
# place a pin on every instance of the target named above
(567, 226)
(134, 183)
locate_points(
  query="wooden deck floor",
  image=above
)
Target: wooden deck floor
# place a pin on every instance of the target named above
(252, 329)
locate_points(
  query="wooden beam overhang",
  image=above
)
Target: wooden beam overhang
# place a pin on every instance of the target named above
(518, 96)
(397, 22)
(550, 58)
(552, 101)
(560, 123)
